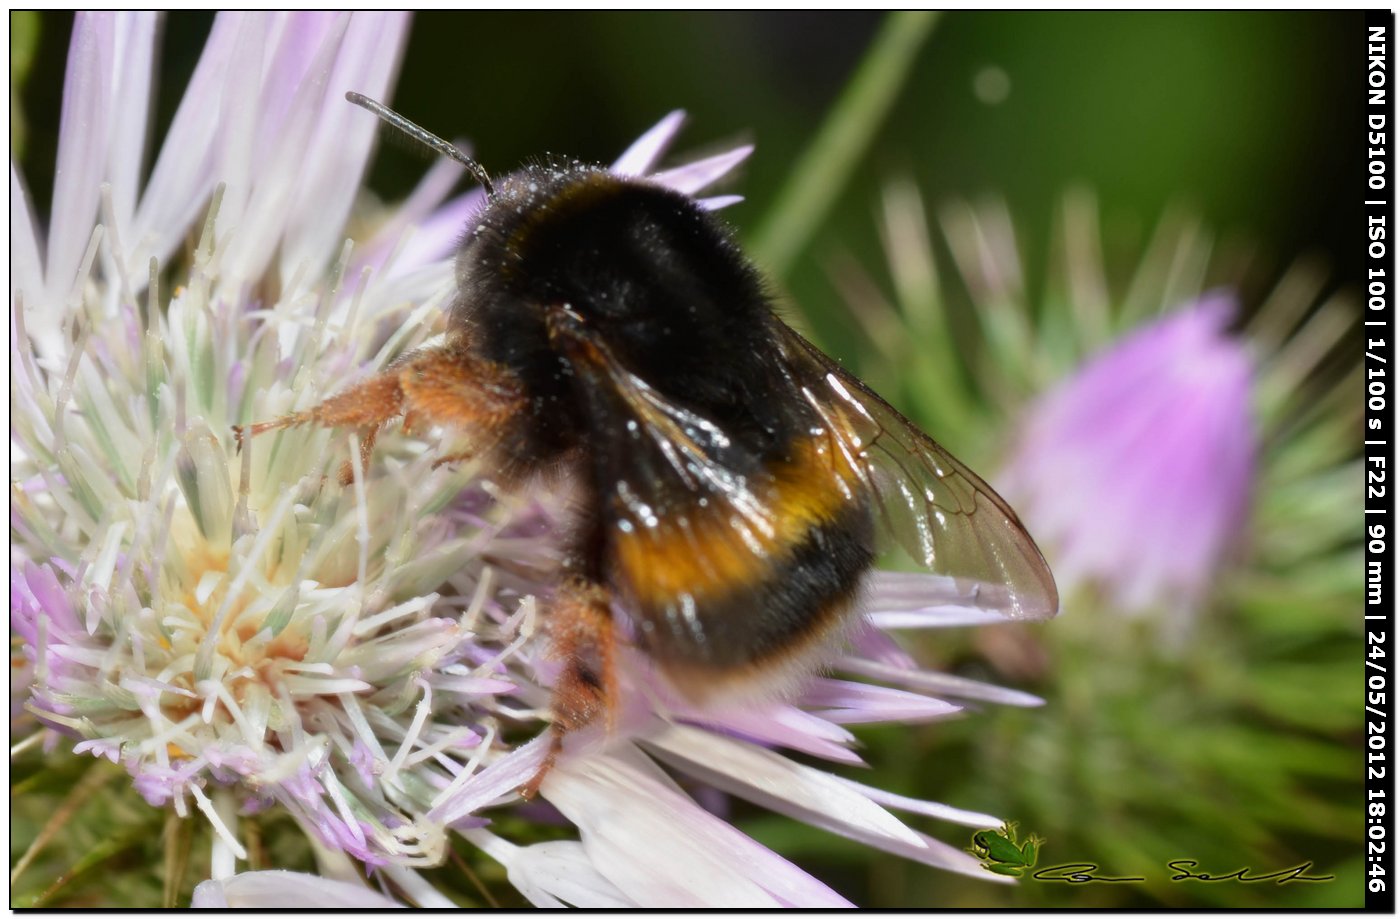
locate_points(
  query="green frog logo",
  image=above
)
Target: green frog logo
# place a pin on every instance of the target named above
(1001, 853)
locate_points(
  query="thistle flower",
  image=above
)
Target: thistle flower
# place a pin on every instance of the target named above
(1180, 461)
(1130, 427)
(243, 635)
(1136, 470)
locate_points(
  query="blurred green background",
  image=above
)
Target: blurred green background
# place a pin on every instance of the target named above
(1247, 118)
(1249, 121)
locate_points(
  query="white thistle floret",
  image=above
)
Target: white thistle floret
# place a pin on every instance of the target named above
(235, 618)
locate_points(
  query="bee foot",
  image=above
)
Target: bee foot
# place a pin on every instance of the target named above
(556, 746)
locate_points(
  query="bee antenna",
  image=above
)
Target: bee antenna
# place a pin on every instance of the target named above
(425, 137)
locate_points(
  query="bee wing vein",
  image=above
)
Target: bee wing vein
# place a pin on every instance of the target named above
(940, 511)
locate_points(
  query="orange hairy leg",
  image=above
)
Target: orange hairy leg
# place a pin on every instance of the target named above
(446, 385)
(581, 632)
(451, 458)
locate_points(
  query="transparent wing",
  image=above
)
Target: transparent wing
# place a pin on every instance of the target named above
(689, 507)
(940, 511)
(677, 460)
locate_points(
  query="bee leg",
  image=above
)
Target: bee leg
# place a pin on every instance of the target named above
(347, 470)
(452, 387)
(454, 458)
(581, 629)
(365, 405)
(446, 385)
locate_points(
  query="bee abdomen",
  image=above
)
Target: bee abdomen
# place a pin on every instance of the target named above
(729, 583)
(779, 608)
(799, 599)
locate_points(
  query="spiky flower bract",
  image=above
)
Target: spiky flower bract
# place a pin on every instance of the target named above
(1188, 460)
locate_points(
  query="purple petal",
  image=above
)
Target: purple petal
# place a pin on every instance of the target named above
(295, 39)
(939, 855)
(82, 148)
(280, 170)
(919, 806)
(286, 890)
(416, 888)
(775, 782)
(437, 237)
(133, 64)
(183, 176)
(492, 783)
(552, 874)
(948, 684)
(871, 643)
(418, 208)
(712, 764)
(26, 267)
(647, 149)
(562, 870)
(782, 725)
(104, 747)
(719, 202)
(339, 149)
(845, 702)
(694, 176)
(660, 849)
(41, 584)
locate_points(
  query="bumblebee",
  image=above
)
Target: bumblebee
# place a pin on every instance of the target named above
(732, 478)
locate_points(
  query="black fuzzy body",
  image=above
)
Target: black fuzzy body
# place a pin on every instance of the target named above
(659, 283)
(655, 274)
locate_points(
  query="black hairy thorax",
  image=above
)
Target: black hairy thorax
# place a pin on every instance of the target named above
(652, 277)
